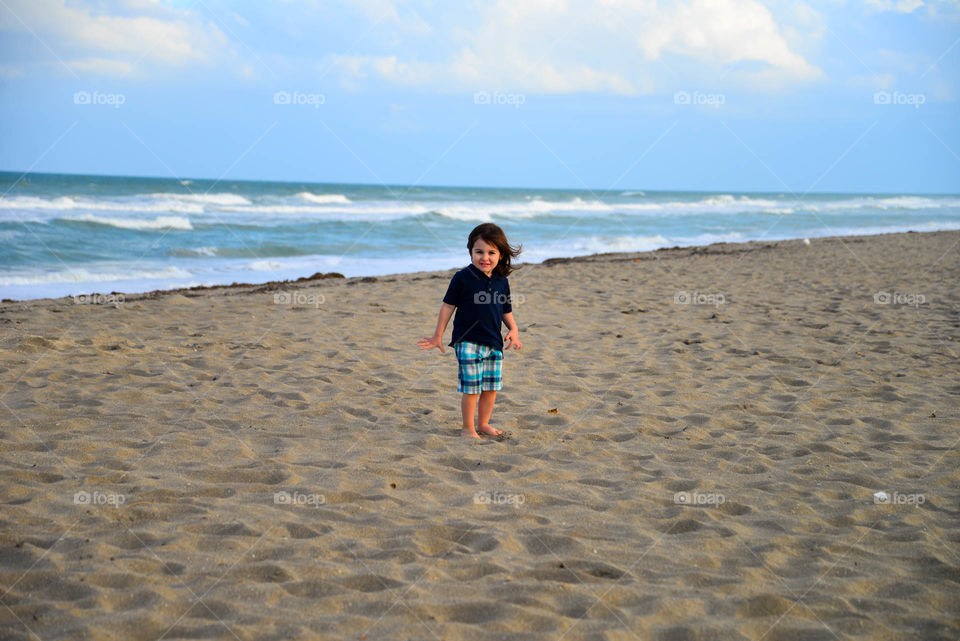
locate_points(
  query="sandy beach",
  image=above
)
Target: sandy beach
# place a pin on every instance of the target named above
(739, 441)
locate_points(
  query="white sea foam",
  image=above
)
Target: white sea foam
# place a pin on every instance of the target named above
(142, 202)
(265, 265)
(84, 275)
(894, 202)
(722, 203)
(67, 203)
(891, 229)
(160, 222)
(32, 202)
(382, 210)
(228, 207)
(226, 199)
(196, 251)
(534, 252)
(538, 207)
(323, 199)
(580, 246)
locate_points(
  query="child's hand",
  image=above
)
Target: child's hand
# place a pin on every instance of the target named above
(513, 337)
(433, 341)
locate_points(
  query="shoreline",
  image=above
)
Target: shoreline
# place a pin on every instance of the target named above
(656, 254)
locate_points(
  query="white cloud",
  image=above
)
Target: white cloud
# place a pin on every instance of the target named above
(807, 30)
(473, 72)
(102, 66)
(899, 6)
(724, 31)
(375, 9)
(566, 46)
(536, 46)
(92, 40)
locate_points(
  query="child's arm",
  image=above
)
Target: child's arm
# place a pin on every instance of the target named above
(513, 335)
(446, 311)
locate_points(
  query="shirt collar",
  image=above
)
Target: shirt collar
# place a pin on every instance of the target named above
(479, 273)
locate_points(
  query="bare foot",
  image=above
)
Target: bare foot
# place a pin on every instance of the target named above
(469, 434)
(489, 431)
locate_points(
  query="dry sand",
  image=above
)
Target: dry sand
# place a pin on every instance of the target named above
(698, 466)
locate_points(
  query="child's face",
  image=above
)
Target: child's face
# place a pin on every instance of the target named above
(484, 256)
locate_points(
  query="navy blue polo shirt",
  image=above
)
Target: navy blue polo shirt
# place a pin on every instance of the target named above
(481, 302)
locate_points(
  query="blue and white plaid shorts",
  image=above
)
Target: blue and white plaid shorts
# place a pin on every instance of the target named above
(480, 368)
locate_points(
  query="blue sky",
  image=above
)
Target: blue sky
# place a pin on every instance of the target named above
(713, 95)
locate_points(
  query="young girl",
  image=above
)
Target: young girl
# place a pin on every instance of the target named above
(480, 292)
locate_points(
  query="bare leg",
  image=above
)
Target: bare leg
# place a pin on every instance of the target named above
(487, 399)
(468, 404)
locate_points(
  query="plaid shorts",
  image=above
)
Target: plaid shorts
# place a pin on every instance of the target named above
(480, 368)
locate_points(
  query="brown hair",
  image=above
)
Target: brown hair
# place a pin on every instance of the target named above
(493, 235)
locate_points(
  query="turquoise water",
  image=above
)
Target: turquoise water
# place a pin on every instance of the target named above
(67, 234)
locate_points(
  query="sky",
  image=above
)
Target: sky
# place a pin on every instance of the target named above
(701, 95)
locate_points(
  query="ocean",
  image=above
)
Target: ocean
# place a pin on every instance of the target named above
(62, 235)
